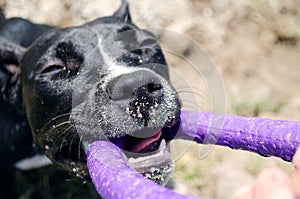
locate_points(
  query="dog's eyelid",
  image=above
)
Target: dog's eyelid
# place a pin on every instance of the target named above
(124, 29)
(52, 68)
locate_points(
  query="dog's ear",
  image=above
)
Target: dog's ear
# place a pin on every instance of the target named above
(123, 12)
(10, 70)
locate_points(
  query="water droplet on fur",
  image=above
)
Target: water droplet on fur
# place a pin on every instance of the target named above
(140, 116)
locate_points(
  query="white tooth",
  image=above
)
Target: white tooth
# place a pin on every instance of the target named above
(162, 145)
(131, 160)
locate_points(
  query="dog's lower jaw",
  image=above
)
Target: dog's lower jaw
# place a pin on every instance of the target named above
(156, 166)
(70, 157)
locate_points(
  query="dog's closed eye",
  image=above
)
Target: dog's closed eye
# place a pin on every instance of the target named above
(52, 68)
(124, 29)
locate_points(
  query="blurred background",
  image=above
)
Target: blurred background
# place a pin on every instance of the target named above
(254, 48)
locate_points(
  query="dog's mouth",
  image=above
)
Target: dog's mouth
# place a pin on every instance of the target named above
(136, 145)
(149, 156)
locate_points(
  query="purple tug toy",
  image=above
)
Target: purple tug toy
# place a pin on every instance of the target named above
(111, 174)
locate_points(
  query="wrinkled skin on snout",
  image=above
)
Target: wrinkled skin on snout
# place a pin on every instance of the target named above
(105, 80)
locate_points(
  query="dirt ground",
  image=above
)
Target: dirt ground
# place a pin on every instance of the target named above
(248, 65)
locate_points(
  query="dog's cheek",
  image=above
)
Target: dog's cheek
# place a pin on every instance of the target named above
(87, 115)
(45, 101)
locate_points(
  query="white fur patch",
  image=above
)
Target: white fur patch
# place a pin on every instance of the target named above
(114, 68)
(33, 162)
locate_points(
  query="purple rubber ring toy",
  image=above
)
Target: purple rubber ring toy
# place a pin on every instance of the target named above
(111, 174)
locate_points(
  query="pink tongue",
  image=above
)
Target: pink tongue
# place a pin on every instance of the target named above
(145, 143)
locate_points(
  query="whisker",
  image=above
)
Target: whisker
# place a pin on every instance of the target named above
(62, 142)
(71, 142)
(189, 87)
(63, 115)
(53, 119)
(197, 96)
(60, 134)
(60, 124)
(175, 81)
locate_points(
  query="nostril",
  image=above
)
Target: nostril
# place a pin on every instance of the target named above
(152, 87)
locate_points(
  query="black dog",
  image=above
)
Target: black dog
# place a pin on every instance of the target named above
(64, 88)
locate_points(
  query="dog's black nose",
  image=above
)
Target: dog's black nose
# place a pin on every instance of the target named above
(140, 82)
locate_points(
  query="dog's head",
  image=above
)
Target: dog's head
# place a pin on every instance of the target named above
(105, 80)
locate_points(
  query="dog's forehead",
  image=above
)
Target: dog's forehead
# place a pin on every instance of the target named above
(109, 32)
(87, 37)
(83, 40)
